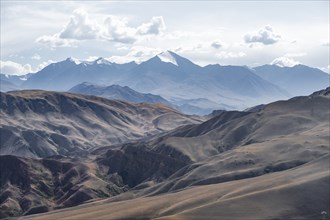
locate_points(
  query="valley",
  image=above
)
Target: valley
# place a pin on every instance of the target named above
(164, 110)
(233, 165)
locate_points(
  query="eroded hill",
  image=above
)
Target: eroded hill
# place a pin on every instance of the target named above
(41, 123)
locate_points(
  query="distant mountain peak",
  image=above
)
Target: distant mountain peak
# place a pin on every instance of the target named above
(73, 60)
(102, 60)
(168, 57)
(86, 84)
(119, 92)
(216, 65)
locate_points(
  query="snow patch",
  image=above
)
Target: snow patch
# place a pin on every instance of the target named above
(74, 60)
(102, 61)
(167, 57)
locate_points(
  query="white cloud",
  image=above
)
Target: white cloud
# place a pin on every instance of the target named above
(12, 68)
(327, 44)
(203, 24)
(92, 58)
(43, 65)
(116, 29)
(264, 36)
(113, 28)
(54, 41)
(295, 54)
(80, 27)
(137, 54)
(326, 69)
(284, 62)
(36, 57)
(288, 59)
(217, 44)
(226, 54)
(155, 26)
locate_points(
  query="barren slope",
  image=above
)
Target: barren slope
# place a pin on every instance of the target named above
(269, 164)
(41, 123)
(300, 193)
(37, 185)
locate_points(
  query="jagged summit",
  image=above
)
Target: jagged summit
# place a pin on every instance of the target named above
(102, 60)
(168, 57)
(99, 60)
(73, 60)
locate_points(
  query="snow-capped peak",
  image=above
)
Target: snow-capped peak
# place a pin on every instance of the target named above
(74, 60)
(102, 61)
(167, 57)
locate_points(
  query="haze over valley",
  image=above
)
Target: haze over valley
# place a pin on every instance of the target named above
(191, 88)
(165, 110)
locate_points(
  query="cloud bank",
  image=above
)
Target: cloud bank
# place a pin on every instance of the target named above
(113, 28)
(284, 62)
(12, 68)
(288, 59)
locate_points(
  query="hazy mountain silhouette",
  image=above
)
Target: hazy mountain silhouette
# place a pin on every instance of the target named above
(15, 79)
(7, 86)
(64, 75)
(169, 75)
(118, 92)
(297, 80)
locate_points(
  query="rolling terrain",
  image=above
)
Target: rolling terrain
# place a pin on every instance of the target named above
(270, 163)
(37, 185)
(164, 110)
(299, 193)
(40, 123)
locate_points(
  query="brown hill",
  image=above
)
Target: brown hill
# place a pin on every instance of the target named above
(31, 186)
(42, 123)
(299, 193)
(269, 164)
(36, 185)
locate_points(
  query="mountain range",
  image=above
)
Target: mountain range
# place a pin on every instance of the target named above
(297, 80)
(270, 162)
(182, 82)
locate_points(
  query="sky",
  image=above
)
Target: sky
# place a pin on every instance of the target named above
(37, 33)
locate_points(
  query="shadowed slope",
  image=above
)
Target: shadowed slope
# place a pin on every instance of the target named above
(40, 123)
(300, 193)
(232, 129)
(268, 164)
(37, 185)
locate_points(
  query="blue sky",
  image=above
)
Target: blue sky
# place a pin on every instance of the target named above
(36, 33)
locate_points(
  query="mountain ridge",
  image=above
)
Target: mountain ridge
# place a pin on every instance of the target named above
(236, 87)
(275, 156)
(66, 123)
(295, 79)
(118, 92)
